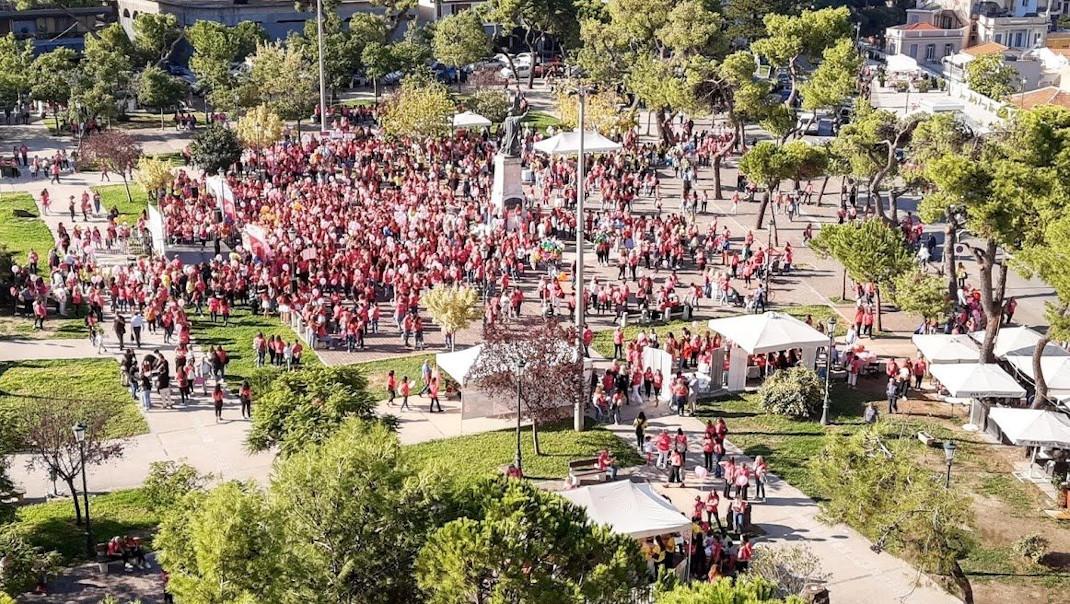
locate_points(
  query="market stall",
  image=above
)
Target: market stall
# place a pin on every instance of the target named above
(764, 333)
(1032, 428)
(976, 384)
(947, 348)
(1018, 341)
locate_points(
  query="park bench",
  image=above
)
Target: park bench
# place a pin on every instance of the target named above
(13, 496)
(105, 565)
(587, 468)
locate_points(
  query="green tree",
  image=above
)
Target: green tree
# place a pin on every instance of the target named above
(459, 39)
(922, 294)
(221, 546)
(353, 515)
(499, 553)
(16, 57)
(991, 76)
(160, 90)
(805, 161)
(870, 251)
(215, 148)
(24, 564)
(744, 18)
(766, 164)
(52, 75)
(746, 589)
(420, 108)
(872, 485)
(155, 36)
(283, 79)
(378, 60)
(453, 307)
(536, 19)
(308, 405)
(168, 483)
(835, 80)
(216, 48)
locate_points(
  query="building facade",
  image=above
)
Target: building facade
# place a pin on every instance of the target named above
(50, 28)
(929, 35)
(1017, 24)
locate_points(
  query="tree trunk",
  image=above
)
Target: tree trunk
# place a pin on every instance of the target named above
(161, 119)
(963, 582)
(1041, 395)
(531, 68)
(535, 436)
(77, 504)
(375, 89)
(761, 210)
(717, 177)
(951, 236)
(298, 131)
(843, 290)
(991, 296)
(665, 126)
(821, 193)
(126, 183)
(55, 116)
(893, 200)
(877, 290)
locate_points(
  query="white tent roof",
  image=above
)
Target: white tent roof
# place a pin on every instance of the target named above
(1056, 369)
(768, 332)
(976, 380)
(901, 64)
(1032, 427)
(469, 119)
(458, 364)
(568, 143)
(629, 508)
(1018, 340)
(945, 348)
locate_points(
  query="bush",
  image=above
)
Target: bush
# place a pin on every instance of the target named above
(795, 393)
(901, 86)
(168, 482)
(789, 568)
(924, 86)
(491, 104)
(24, 565)
(1032, 547)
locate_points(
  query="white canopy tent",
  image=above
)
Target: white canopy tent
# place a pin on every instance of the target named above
(943, 348)
(469, 119)
(1055, 367)
(902, 64)
(1018, 341)
(457, 364)
(976, 380)
(630, 508)
(1032, 428)
(767, 332)
(568, 143)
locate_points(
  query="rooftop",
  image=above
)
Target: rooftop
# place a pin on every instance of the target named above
(988, 48)
(1049, 95)
(917, 27)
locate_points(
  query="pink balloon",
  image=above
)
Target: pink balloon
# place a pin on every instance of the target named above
(700, 471)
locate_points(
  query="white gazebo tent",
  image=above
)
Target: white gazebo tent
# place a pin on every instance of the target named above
(1017, 341)
(1032, 428)
(469, 119)
(976, 380)
(943, 348)
(764, 333)
(458, 363)
(902, 64)
(568, 143)
(630, 508)
(1054, 364)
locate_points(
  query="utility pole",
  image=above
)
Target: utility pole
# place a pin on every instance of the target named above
(580, 294)
(323, 81)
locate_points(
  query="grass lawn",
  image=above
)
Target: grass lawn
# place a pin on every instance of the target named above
(51, 525)
(540, 120)
(485, 454)
(114, 196)
(20, 234)
(92, 381)
(237, 339)
(136, 120)
(21, 328)
(376, 372)
(174, 158)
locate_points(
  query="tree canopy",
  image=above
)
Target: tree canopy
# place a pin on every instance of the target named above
(991, 76)
(422, 107)
(215, 148)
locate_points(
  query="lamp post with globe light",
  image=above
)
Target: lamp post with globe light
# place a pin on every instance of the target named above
(828, 370)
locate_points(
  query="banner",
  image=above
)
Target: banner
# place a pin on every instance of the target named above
(254, 239)
(157, 232)
(218, 187)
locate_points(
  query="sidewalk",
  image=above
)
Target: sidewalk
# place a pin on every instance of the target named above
(788, 516)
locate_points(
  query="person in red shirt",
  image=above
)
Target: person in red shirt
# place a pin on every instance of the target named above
(391, 386)
(406, 390)
(217, 401)
(245, 396)
(432, 390)
(745, 553)
(920, 366)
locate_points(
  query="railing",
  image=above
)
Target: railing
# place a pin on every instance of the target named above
(911, 34)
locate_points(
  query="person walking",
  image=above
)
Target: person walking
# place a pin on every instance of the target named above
(425, 373)
(119, 327)
(676, 466)
(245, 396)
(892, 390)
(761, 469)
(707, 451)
(406, 390)
(217, 401)
(712, 513)
(640, 428)
(391, 387)
(433, 392)
(136, 323)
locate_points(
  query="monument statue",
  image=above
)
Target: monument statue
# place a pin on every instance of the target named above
(511, 127)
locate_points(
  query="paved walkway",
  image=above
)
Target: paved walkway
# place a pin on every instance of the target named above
(788, 516)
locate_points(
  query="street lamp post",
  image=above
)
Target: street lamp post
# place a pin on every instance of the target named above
(519, 378)
(828, 370)
(577, 416)
(79, 436)
(949, 455)
(323, 81)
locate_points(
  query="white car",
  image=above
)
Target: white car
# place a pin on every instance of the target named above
(523, 70)
(523, 58)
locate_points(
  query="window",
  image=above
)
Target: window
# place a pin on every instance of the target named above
(1018, 40)
(999, 38)
(930, 53)
(913, 51)
(949, 49)
(126, 14)
(1036, 39)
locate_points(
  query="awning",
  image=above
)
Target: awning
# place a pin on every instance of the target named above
(902, 64)
(976, 380)
(630, 508)
(568, 143)
(458, 364)
(1056, 369)
(469, 119)
(1018, 341)
(768, 332)
(944, 348)
(1032, 427)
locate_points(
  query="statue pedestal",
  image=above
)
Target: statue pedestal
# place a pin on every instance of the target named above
(508, 190)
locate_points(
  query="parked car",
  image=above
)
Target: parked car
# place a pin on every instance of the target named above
(552, 66)
(445, 73)
(523, 70)
(393, 77)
